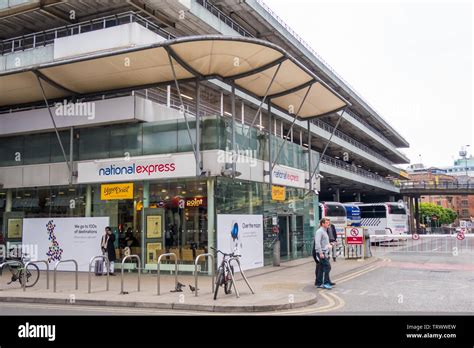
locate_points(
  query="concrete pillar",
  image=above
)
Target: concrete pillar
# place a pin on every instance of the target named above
(336, 195)
(88, 211)
(211, 217)
(9, 203)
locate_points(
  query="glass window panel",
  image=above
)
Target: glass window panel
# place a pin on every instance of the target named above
(159, 137)
(126, 138)
(37, 149)
(94, 143)
(12, 151)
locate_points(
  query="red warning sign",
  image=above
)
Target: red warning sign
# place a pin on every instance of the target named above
(460, 236)
(415, 236)
(354, 235)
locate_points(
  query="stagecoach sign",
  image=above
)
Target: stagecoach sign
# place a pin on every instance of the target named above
(355, 235)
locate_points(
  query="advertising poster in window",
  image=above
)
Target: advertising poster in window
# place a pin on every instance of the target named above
(152, 250)
(153, 226)
(243, 233)
(58, 239)
(15, 227)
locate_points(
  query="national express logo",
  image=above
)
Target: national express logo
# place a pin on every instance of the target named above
(54, 252)
(281, 174)
(137, 169)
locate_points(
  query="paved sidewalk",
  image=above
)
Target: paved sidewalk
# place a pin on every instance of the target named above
(276, 288)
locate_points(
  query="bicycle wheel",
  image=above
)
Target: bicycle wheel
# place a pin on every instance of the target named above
(32, 275)
(219, 281)
(228, 283)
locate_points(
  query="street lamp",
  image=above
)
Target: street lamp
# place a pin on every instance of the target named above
(463, 154)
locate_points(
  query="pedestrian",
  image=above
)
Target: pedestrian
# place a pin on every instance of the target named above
(332, 233)
(322, 245)
(108, 249)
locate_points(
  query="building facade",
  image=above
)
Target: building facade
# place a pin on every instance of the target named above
(128, 155)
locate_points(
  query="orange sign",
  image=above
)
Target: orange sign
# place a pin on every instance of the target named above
(116, 191)
(278, 193)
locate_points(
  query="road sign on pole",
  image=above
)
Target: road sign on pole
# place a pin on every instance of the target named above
(354, 235)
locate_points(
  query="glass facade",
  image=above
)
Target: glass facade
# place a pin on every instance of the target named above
(180, 204)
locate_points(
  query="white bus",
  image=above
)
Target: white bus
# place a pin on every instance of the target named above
(336, 212)
(384, 218)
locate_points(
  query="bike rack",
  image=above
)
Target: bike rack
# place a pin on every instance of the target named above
(47, 273)
(56, 267)
(139, 270)
(196, 273)
(243, 276)
(10, 262)
(158, 275)
(106, 259)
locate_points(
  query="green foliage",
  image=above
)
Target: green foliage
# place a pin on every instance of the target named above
(445, 215)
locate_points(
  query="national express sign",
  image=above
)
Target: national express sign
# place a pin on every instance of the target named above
(137, 168)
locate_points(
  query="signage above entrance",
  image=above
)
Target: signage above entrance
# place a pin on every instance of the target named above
(286, 176)
(116, 191)
(137, 168)
(278, 193)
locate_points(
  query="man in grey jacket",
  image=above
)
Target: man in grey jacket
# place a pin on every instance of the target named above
(322, 245)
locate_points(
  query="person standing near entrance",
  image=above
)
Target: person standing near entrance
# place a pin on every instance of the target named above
(322, 245)
(108, 248)
(332, 233)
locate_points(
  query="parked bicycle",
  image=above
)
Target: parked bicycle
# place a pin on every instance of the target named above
(17, 269)
(225, 273)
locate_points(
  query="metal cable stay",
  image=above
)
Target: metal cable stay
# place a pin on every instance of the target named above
(260, 61)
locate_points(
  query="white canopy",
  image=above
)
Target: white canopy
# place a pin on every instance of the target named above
(248, 64)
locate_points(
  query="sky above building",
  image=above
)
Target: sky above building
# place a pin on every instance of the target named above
(411, 60)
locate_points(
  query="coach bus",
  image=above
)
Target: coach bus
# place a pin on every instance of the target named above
(389, 218)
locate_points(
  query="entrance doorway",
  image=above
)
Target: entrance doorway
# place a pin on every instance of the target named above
(290, 236)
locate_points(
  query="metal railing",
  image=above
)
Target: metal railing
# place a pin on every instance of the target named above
(423, 243)
(139, 271)
(367, 125)
(237, 294)
(47, 37)
(354, 169)
(106, 259)
(442, 185)
(33, 262)
(223, 17)
(328, 128)
(317, 55)
(196, 272)
(76, 271)
(158, 273)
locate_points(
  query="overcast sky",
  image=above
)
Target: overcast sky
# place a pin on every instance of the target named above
(411, 60)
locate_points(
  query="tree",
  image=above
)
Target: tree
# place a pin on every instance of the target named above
(444, 215)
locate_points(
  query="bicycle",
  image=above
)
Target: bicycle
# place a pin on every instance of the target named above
(225, 273)
(32, 273)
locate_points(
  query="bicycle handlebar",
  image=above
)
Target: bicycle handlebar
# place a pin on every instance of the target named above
(231, 254)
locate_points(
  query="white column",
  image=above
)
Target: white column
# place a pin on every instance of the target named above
(168, 96)
(211, 232)
(9, 203)
(88, 212)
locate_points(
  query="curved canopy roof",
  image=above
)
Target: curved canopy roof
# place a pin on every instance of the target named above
(254, 66)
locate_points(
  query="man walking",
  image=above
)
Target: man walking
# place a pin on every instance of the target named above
(322, 245)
